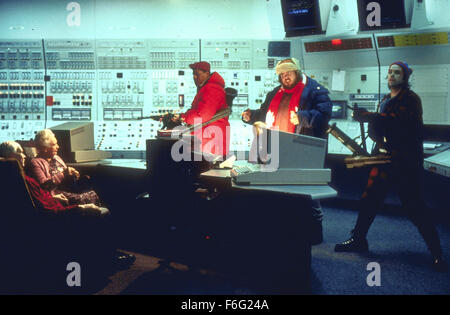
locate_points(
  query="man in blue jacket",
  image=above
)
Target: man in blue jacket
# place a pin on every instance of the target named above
(299, 105)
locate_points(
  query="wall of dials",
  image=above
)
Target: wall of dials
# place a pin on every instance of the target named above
(128, 59)
(115, 82)
(354, 76)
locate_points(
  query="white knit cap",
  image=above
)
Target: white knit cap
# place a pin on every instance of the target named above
(285, 66)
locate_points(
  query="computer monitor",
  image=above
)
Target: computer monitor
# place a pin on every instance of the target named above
(288, 150)
(301, 17)
(279, 49)
(73, 137)
(392, 14)
(339, 109)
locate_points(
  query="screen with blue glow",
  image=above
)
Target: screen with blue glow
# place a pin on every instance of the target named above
(301, 17)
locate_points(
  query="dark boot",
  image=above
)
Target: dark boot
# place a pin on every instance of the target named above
(439, 264)
(316, 226)
(430, 235)
(353, 244)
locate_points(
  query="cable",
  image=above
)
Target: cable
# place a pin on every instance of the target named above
(379, 71)
(45, 85)
(379, 82)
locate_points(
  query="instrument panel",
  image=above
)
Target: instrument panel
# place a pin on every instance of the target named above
(114, 83)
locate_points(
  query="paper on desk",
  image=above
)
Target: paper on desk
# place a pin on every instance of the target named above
(228, 163)
(428, 146)
(338, 80)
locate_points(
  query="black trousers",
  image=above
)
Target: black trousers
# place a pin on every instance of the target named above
(407, 180)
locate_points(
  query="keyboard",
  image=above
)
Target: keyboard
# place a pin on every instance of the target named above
(245, 169)
(258, 174)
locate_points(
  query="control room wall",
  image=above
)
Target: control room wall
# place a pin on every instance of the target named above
(30, 19)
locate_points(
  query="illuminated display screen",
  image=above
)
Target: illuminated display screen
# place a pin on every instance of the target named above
(339, 109)
(392, 14)
(413, 40)
(301, 17)
(339, 44)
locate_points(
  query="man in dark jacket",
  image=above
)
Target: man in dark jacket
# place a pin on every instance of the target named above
(209, 100)
(298, 105)
(397, 130)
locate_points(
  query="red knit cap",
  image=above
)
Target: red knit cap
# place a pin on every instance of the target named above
(202, 65)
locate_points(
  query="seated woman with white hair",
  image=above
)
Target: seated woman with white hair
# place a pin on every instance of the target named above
(52, 173)
(44, 199)
(97, 240)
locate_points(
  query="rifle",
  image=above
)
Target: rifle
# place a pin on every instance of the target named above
(166, 120)
(219, 115)
(168, 124)
(346, 140)
(360, 155)
(361, 127)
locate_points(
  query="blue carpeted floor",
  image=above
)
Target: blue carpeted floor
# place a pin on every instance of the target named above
(394, 243)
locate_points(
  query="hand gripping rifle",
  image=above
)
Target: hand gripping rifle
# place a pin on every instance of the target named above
(230, 94)
(360, 156)
(166, 120)
(168, 124)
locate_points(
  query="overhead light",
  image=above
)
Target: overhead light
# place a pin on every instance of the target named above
(16, 28)
(227, 28)
(122, 28)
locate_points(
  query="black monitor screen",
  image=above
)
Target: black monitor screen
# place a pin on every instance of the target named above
(301, 17)
(391, 12)
(279, 49)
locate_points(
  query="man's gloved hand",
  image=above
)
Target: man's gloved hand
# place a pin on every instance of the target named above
(361, 115)
(176, 118)
(246, 115)
(171, 121)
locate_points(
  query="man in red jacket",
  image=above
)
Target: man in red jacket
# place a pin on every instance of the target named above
(209, 100)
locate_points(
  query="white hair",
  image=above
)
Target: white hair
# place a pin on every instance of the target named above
(43, 138)
(8, 149)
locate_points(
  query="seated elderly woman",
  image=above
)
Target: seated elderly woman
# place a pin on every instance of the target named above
(98, 236)
(50, 171)
(44, 199)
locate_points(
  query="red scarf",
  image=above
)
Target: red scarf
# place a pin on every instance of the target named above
(271, 115)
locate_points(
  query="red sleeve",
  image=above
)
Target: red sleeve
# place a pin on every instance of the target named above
(210, 100)
(44, 200)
